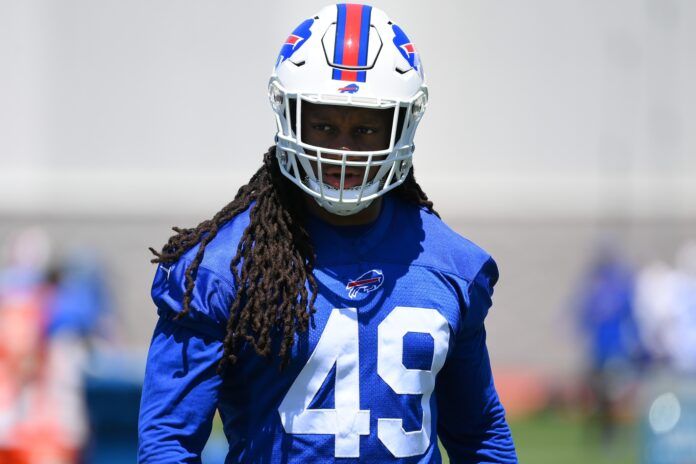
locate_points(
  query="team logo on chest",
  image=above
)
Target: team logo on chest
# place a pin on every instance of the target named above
(366, 283)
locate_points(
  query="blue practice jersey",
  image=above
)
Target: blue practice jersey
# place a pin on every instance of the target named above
(395, 356)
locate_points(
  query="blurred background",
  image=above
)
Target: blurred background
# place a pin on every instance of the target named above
(559, 136)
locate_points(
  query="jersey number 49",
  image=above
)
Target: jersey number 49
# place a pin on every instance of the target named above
(339, 346)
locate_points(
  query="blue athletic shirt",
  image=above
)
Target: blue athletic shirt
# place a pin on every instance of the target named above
(395, 356)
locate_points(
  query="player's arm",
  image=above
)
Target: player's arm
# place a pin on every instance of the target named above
(471, 420)
(180, 394)
(181, 387)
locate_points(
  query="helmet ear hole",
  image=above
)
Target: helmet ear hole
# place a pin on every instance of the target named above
(400, 123)
(292, 107)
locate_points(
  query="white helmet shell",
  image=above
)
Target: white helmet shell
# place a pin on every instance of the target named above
(347, 55)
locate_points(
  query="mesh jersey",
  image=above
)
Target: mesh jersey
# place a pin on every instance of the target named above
(394, 359)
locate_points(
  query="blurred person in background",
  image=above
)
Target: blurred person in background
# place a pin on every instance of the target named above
(25, 259)
(29, 432)
(75, 321)
(82, 303)
(605, 306)
(47, 314)
(666, 310)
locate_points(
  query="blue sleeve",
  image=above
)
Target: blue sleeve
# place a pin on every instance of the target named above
(471, 420)
(181, 387)
(179, 396)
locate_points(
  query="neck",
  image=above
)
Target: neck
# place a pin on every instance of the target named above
(366, 216)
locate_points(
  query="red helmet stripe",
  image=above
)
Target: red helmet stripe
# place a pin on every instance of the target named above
(351, 41)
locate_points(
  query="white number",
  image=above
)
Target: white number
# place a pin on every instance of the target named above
(390, 367)
(338, 345)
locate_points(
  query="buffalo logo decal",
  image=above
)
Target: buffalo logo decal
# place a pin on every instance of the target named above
(350, 88)
(295, 40)
(368, 282)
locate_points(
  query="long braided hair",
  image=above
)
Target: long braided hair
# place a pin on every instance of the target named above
(277, 259)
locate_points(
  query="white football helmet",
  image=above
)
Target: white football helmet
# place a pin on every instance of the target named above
(349, 55)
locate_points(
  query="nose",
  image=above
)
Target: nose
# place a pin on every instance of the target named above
(343, 140)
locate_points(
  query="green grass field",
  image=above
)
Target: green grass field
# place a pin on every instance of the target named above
(555, 439)
(549, 438)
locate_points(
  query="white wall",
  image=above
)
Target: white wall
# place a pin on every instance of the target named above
(545, 107)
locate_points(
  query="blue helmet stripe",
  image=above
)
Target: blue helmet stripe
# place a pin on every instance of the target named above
(364, 35)
(340, 34)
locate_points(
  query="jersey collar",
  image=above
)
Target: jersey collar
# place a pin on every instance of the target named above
(335, 244)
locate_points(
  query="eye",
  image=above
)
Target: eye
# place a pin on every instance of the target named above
(366, 130)
(322, 127)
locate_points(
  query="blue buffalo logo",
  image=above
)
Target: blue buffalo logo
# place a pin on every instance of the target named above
(368, 282)
(405, 47)
(350, 88)
(295, 40)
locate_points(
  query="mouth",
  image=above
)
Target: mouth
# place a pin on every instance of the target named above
(352, 179)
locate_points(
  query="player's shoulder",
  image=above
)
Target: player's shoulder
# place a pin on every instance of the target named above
(213, 289)
(444, 249)
(220, 251)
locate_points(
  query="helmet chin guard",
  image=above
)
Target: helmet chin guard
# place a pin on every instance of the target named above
(343, 208)
(354, 56)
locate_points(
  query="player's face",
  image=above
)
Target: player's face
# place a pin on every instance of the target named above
(349, 129)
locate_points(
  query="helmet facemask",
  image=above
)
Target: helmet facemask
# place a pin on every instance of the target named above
(307, 165)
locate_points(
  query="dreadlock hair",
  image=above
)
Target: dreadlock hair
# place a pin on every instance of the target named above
(277, 257)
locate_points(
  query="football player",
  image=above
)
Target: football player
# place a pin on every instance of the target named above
(327, 312)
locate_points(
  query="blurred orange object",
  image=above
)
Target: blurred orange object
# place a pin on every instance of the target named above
(522, 391)
(29, 432)
(41, 442)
